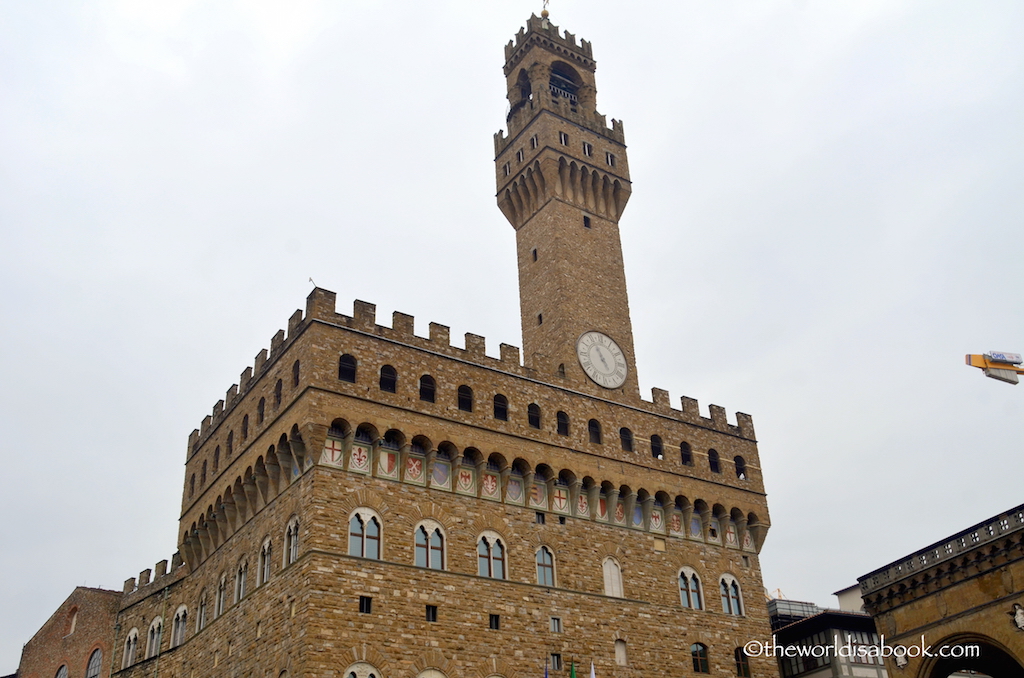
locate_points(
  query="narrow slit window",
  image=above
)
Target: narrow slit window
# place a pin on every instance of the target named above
(586, 221)
(588, 149)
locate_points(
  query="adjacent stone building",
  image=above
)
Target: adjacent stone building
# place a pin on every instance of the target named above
(369, 502)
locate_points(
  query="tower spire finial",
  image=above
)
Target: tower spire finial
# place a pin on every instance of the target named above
(544, 14)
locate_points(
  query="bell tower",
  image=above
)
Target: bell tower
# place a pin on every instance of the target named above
(563, 182)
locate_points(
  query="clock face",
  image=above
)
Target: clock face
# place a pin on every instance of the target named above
(602, 359)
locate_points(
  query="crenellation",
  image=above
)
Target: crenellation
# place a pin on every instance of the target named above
(218, 410)
(261, 360)
(207, 424)
(510, 356)
(476, 346)
(193, 440)
(439, 334)
(144, 577)
(276, 342)
(745, 423)
(661, 399)
(364, 316)
(691, 409)
(294, 323)
(719, 420)
(160, 570)
(320, 305)
(403, 325)
(245, 378)
(129, 585)
(231, 395)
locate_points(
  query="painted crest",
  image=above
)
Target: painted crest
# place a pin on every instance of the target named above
(676, 523)
(359, 461)
(332, 454)
(582, 505)
(620, 513)
(414, 469)
(656, 520)
(730, 535)
(387, 464)
(466, 483)
(490, 485)
(441, 477)
(514, 492)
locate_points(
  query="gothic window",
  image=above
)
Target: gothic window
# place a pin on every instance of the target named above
(563, 423)
(594, 429)
(202, 476)
(263, 576)
(507, 168)
(534, 142)
(62, 672)
(291, 542)
(92, 670)
(241, 574)
(545, 567)
(741, 467)
(626, 436)
(490, 557)
(392, 440)
(131, 646)
(347, 368)
(609, 159)
(201, 618)
(742, 663)
(520, 155)
(685, 454)
(620, 653)
(501, 407)
(216, 459)
(230, 444)
(222, 595)
(429, 547)
(699, 653)
(153, 638)
(364, 535)
(716, 466)
(612, 577)
(657, 449)
(178, 626)
(465, 398)
(588, 149)
(533, 415)
(730, 590)
(427, 388)
(261, 409)
(689, 589)
(278, 388)
(295, 374)
(563, 138)
(388, 379)
(191, 485)
(245, 427)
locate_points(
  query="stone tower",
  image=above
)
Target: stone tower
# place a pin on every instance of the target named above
(563, 182)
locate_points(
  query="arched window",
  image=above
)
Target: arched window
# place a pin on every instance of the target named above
(563, 423)
(241, 575)
(730, 590)
(263, 576)
(216, 459)
(178, 626)
(699, 653)
(533, 415)
(230, 444)
(465, 398)
(202, 476)
(131, 646)
(621, 658)
(222, 596)
(429, 547)
(364, 535)
(716, 466)
(657, 449)
(62, 672)
(72, 621)
(501, 407)
(295, 374)
(347, 368)
(191, 485)
(201, 618)
(261, 409)
(742, 663)
(594, 429)
(563, 82)
(291, 542)
(92, 670)
(685, 454)
(545, 567)
(245, 427)
(741, 467)
(626, 436)
(689, 590)
(389, 379)
(428, 388)
(490, 557)
(612, 577)
(153, 638)
(278, 388)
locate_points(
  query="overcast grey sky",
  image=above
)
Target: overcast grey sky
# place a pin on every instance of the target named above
(826, 216)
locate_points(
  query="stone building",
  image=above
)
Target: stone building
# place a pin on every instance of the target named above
(76, 639)
(368, 502)
(962, 593)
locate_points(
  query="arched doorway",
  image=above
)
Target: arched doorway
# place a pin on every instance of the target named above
(992, 660)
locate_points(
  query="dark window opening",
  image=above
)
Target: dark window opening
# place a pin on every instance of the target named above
(657, 449)
(245, 427)
(586, 221)
(563, 423)
(431, 613)
(501, 407)
(365, 604)
(534, 141)
(261, 408)
(716, 466)
(533, 415)
(495, 622)
(428, 388)
(277, 393)
(540, 318)
(561, 369)
(699, 653)
(465, 398)
(685, 454)
(626, 436)
(535, 255)
(741, 467)
(742, 663)
(556, 661)
(388, 379)
(563, 138)
(594, 430)
(295, 374)
(347, 368)
(561, 520)
(540, 518)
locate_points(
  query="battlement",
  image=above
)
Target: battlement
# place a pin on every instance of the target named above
(156, 577)
(321, 307)
(542, 29)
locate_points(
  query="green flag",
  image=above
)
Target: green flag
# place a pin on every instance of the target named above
(572, 669)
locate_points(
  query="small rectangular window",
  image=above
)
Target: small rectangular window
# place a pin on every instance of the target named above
(365, 604)
(431, 613)
(540, 318)
(520, 155)
(534, 142)
(540, 518)
(535, 255)
(563, 138)
(556, 661)
(556, 625)
(588, 149)
(496, 622)
(586, 222)
(561, 520)
(508, 168)
(609, 159)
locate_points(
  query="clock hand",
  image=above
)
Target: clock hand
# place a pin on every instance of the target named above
(600, 354)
